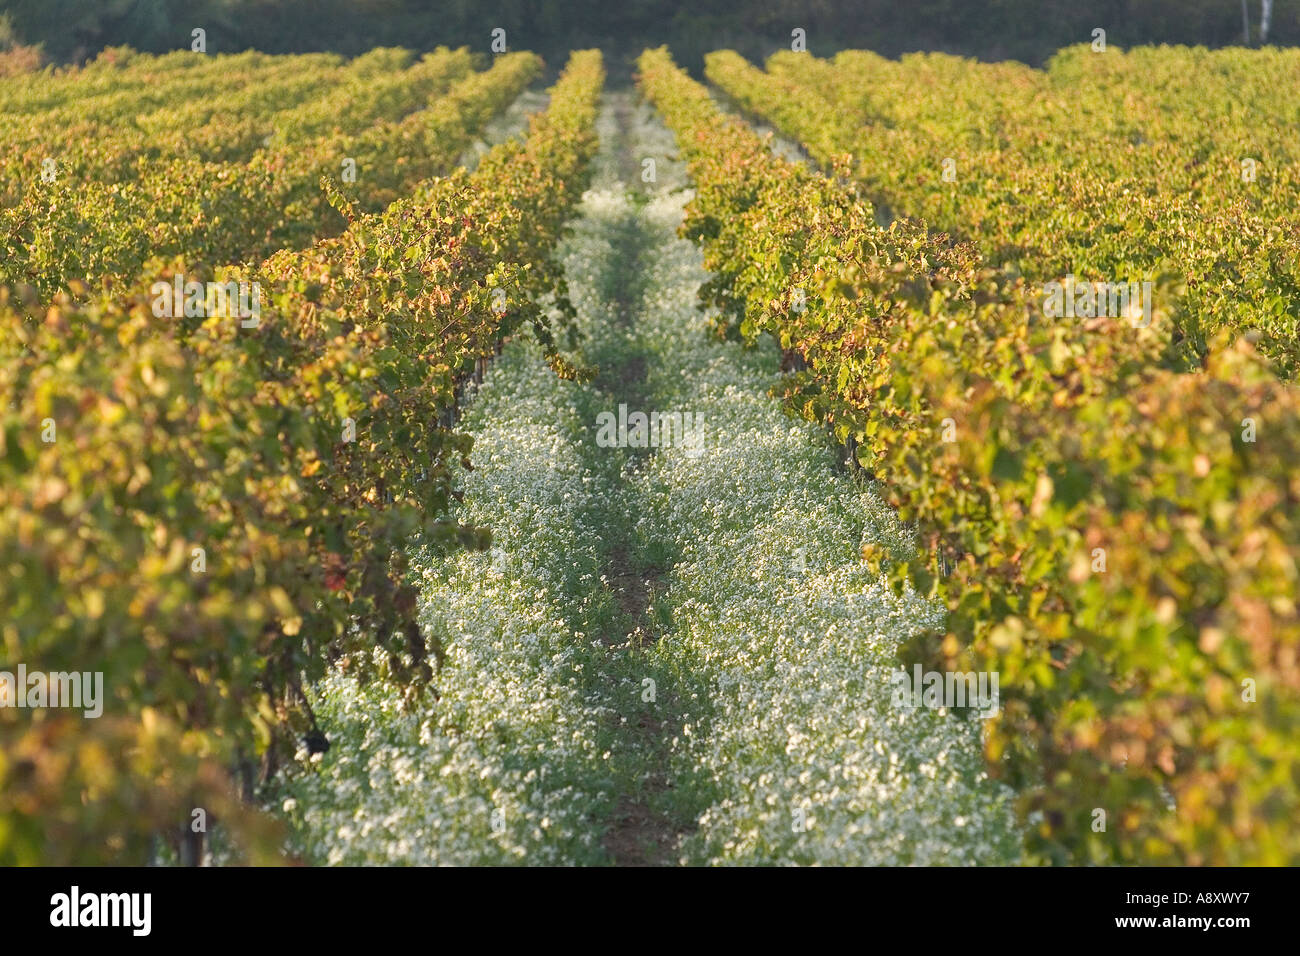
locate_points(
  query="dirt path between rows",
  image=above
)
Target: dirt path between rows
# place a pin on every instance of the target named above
(640, 835)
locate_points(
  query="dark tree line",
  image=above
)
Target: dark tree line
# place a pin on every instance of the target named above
(1029, 30)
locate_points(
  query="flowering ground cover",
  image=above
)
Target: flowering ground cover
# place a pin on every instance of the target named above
(671, 653)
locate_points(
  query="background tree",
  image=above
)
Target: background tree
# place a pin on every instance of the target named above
(1030, 30)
